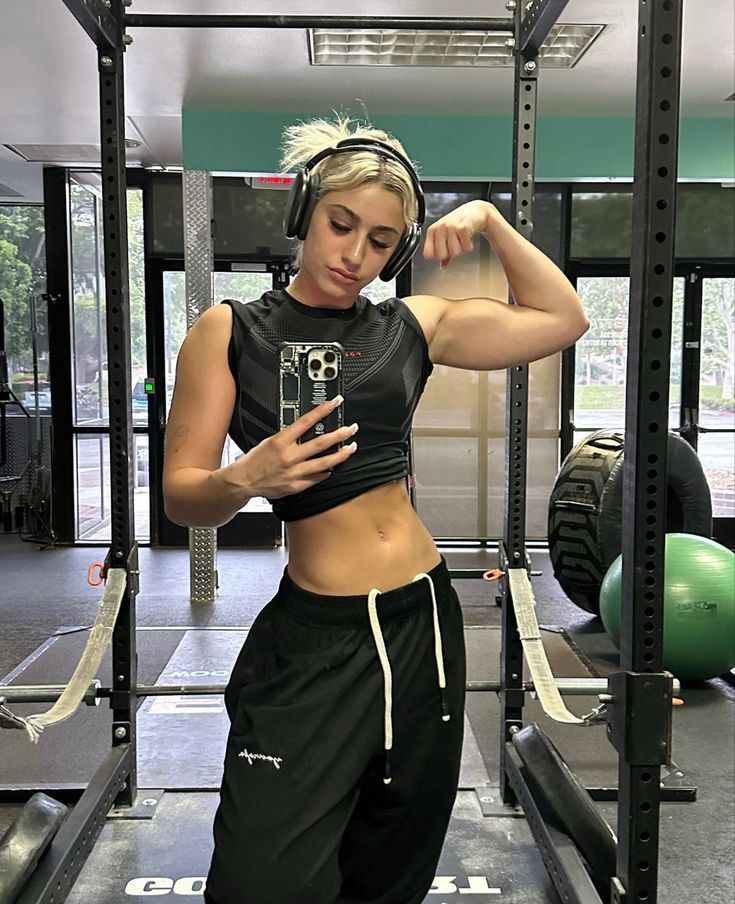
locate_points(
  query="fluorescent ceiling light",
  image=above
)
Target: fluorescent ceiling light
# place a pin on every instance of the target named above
(563, 48)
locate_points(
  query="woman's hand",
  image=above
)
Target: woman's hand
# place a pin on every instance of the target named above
(280, 465)
(453, 234)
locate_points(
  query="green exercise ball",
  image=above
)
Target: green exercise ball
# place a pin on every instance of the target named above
(699, 606)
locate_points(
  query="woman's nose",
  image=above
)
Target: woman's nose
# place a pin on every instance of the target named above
(355, 249)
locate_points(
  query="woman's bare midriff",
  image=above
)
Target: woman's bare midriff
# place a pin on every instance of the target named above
(375, 540)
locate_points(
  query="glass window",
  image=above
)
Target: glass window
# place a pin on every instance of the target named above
(378, 290)
(92, 453)
(705, 222)
(601, 354)
(93, 487)
(88, 308)
(242, 285)
(446, 484)
(450, 400)
(23, 280)
(247, 221)
(167, 217)
(136, 288)
(716, 404)
(601, 223)
(89, 326)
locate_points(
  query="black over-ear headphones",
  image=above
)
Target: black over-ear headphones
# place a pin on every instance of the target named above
(305, 194)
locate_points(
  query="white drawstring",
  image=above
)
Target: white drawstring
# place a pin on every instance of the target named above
(439, 654)
(388, 675)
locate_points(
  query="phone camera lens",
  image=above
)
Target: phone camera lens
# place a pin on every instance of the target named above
(329, 372)
(316, 365)
(330, 357)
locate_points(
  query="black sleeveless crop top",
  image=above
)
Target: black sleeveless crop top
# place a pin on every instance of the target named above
(385, 369)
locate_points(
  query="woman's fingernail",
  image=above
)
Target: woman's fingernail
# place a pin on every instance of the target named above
(337, 400)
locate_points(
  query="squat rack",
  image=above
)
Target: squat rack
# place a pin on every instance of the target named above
(639, 720)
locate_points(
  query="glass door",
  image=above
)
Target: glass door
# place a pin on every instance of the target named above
(255, 524)
(90, 426)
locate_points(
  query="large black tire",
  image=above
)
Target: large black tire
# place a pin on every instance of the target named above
(586, 510)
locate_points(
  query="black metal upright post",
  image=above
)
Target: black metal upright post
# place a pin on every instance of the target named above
(641, 719)
(123, 549)
(513, 549)
(531, 30)
(58, 284)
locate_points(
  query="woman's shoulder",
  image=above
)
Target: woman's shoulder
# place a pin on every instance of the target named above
(424, 312)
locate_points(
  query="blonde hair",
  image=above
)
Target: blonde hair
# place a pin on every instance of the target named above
(344, 172)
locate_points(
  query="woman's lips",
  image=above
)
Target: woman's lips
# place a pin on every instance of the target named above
(342, 276)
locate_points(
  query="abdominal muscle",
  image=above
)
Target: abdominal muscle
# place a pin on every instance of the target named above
(375, 540)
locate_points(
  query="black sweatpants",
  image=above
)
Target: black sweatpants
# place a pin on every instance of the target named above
(313, 810)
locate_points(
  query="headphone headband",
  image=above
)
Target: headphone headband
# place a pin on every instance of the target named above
(373, 145)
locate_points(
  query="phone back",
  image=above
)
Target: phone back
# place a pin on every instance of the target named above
(310, 374)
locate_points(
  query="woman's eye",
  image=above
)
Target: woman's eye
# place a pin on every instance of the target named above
(380, 245)
(339, 227)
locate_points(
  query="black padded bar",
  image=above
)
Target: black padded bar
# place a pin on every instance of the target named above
(96, 19)
(554, 783)
(55, 875)
(563, 862)
(25, 842)
(538, 22)
(412, 23)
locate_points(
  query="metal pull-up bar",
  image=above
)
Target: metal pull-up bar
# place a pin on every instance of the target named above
(413, 23)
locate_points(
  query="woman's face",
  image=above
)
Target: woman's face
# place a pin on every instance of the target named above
(351, 236)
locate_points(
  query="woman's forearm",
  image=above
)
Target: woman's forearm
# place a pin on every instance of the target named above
(195, 497)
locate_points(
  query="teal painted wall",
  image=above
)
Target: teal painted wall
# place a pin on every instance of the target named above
(467, 147)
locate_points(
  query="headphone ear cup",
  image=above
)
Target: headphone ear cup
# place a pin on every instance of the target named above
(403, 253)
(294, 207)
(300, 205)
(311, 196)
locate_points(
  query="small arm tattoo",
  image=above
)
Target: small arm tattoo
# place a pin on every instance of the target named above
(180, 436)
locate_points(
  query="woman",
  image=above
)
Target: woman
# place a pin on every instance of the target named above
(347, 698)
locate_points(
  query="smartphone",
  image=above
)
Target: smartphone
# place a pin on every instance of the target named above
(310, 374)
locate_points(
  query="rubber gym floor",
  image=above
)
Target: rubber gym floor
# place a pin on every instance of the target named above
(45, 601)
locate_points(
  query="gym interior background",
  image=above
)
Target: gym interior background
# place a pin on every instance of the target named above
(218, 101)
